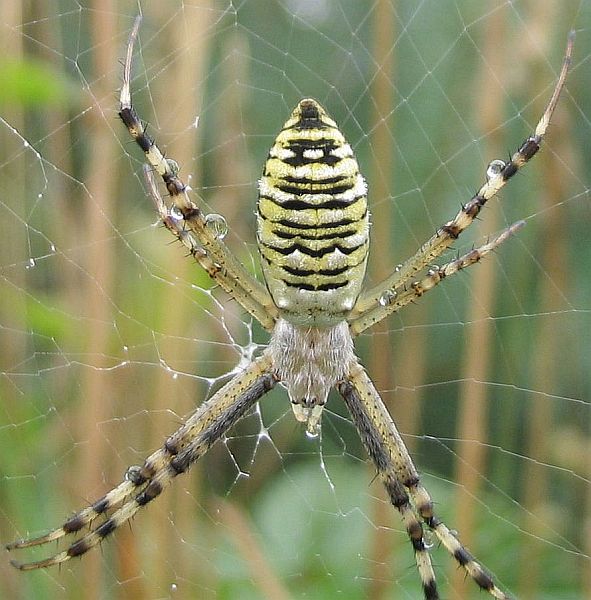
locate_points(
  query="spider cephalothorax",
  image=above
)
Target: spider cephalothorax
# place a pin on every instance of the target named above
(313, 236)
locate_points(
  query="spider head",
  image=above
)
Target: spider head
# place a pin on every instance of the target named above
(309, 410)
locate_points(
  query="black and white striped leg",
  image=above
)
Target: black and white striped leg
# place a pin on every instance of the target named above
(497, 176)
(144, 483)
(401, 480)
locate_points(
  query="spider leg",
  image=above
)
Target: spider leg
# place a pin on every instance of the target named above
(214, 255)
(143, 484)
(183, 228)
(498, 174)
(393, 300)
(401, 480)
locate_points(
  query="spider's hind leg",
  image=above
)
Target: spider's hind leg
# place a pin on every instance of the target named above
(186, 219)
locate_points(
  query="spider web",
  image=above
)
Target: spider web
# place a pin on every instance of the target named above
(109, 335)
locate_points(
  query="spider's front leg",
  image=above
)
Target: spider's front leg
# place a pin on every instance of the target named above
(145, 483)
(401, 480)
(199, 232)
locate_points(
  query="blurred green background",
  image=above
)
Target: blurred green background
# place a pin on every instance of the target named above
(109, 334)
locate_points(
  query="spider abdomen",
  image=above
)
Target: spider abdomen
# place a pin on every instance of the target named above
(313, 221)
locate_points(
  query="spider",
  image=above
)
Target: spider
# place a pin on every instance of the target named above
(313, 238)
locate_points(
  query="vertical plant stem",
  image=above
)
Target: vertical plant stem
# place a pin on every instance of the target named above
(381, 363)
(12, 308)
(177, 113)
(251, 549)
(553, 255)
(96, 396)
(473, 392)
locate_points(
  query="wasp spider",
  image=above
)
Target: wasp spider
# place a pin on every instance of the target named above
(313, 238)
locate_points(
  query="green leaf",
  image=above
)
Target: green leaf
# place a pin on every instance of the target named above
(32, 83)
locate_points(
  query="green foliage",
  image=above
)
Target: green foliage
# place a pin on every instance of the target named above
(34, 84)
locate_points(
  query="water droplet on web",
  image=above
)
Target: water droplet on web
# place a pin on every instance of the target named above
(175, 213)
(31, 263)
(173, 166)
(428, 539)
(134, 475)
(217, 224)
(494, 168)
(173, 587)
(398, 268)
(312, 435)
(387, 297)
(175, 375)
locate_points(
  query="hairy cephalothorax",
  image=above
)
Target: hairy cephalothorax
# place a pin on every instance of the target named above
(310, 361)
(313, 238)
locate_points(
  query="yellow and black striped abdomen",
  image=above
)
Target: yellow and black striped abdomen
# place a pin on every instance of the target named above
(313, 221)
